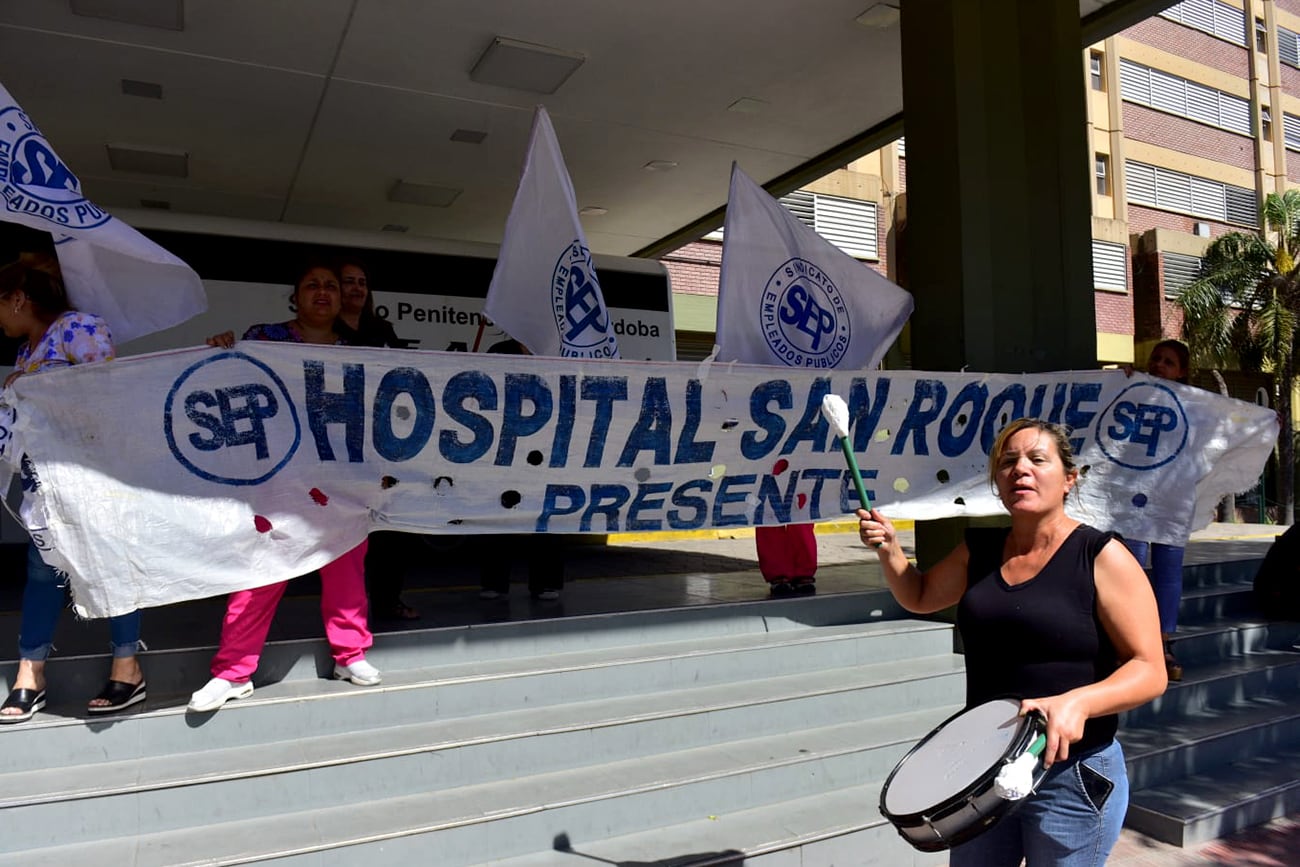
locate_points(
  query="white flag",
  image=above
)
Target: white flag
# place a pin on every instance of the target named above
(788, 296)
(108, 267)
(544, 291)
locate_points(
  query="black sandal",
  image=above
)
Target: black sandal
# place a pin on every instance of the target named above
(29, 701)
(119, 694)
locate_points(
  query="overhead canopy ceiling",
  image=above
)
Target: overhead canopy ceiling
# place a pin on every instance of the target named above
(311, 111)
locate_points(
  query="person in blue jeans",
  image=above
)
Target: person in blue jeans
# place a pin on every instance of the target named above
(34, 306)
(1169, 359)
(1058, 615)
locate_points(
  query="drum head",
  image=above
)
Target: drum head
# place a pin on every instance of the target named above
(954, 757)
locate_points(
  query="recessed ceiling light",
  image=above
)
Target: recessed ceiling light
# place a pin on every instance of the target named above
(429, 195)
(167, 14)
(745, 105)
(469, 136)
(149, 161)
(144, 89)
(395, 227)
(660, 166)
(525, 66)
(593, 211)
(879, 16)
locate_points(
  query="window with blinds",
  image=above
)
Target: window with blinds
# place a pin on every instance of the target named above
(902, 146)
(1217, 19)
(1188, 194)
(1179, 271)
(1288, 46)
(850, 224)
(1291, 131)
(1160, 90)
(1109, 266)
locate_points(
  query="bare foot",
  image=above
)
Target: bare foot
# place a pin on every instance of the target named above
(31, 675)
(125, 669)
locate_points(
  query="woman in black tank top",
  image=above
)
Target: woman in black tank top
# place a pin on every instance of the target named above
(1058, 615)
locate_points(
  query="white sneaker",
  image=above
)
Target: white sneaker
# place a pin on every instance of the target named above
(359, 672)
(217, 692)
(490, 594)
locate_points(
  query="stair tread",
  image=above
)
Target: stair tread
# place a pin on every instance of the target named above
(1191, 727)
(764, 829)
(280, 756)
(1199, 796)
(1233, 666)
(322, 828)
(526, 664)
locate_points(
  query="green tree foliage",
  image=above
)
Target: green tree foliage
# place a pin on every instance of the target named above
(1244, 307)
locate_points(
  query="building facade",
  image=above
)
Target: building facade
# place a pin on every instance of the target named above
(1193, 117)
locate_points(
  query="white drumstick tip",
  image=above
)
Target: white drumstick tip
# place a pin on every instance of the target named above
(836, 413)
(1016, 779)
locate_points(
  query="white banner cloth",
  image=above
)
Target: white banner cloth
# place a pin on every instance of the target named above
(108, 267)
(788, 296)
(188, 474)
(544, 291)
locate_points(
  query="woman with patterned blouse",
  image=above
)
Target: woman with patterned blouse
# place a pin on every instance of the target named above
(34, 306)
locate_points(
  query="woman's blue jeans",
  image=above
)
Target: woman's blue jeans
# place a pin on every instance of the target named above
(44, 599)
(1073, 820)
(1166, 578)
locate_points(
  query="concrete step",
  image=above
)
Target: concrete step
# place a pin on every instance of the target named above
(1220, 573)
(283, 711)
(518, 816)
(181, 669)
(1201, 807)
(1221, 639)
(174, 791)
(1216, 602)
(1204, 741)
(1220, 684)
(843, 827)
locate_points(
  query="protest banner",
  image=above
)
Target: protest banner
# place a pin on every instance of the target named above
(188, 474)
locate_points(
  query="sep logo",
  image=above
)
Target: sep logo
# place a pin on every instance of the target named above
(580, 312)
(35, 182)
(1144, 427)
(803, 317)
(229, 419)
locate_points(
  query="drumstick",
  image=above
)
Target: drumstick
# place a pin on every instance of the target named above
(836, 413)
(1016, 779)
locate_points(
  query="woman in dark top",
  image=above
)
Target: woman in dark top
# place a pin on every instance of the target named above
(1058, 615)
(385, 566)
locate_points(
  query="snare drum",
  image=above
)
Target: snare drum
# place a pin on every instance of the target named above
(941, 793)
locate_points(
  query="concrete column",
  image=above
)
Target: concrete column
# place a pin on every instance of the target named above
(998, 245)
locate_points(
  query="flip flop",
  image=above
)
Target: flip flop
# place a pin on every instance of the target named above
(120, 695)
(29, 701)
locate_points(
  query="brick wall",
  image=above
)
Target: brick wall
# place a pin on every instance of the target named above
(1195, 45)
(1292, 6)
(1141, 218)
(1293, 167)
(694, 268)
(902, 174)
(1114, 313)
(1290, 82)
(1154, 316)
(1187, 136)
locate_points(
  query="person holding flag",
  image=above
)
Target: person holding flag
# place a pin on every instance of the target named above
(544, 291)
(546, 296)
(107, 266)
(787, 296)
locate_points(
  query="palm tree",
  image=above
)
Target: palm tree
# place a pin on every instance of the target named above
(1245, 306)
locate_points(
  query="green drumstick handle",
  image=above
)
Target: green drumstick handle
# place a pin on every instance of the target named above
(1036, 748)
(857, 474)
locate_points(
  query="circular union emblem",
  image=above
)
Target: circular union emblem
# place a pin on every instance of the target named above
(35, 182)
(580, 313)
(802, 316)
(1144, 427)
(229, 419)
